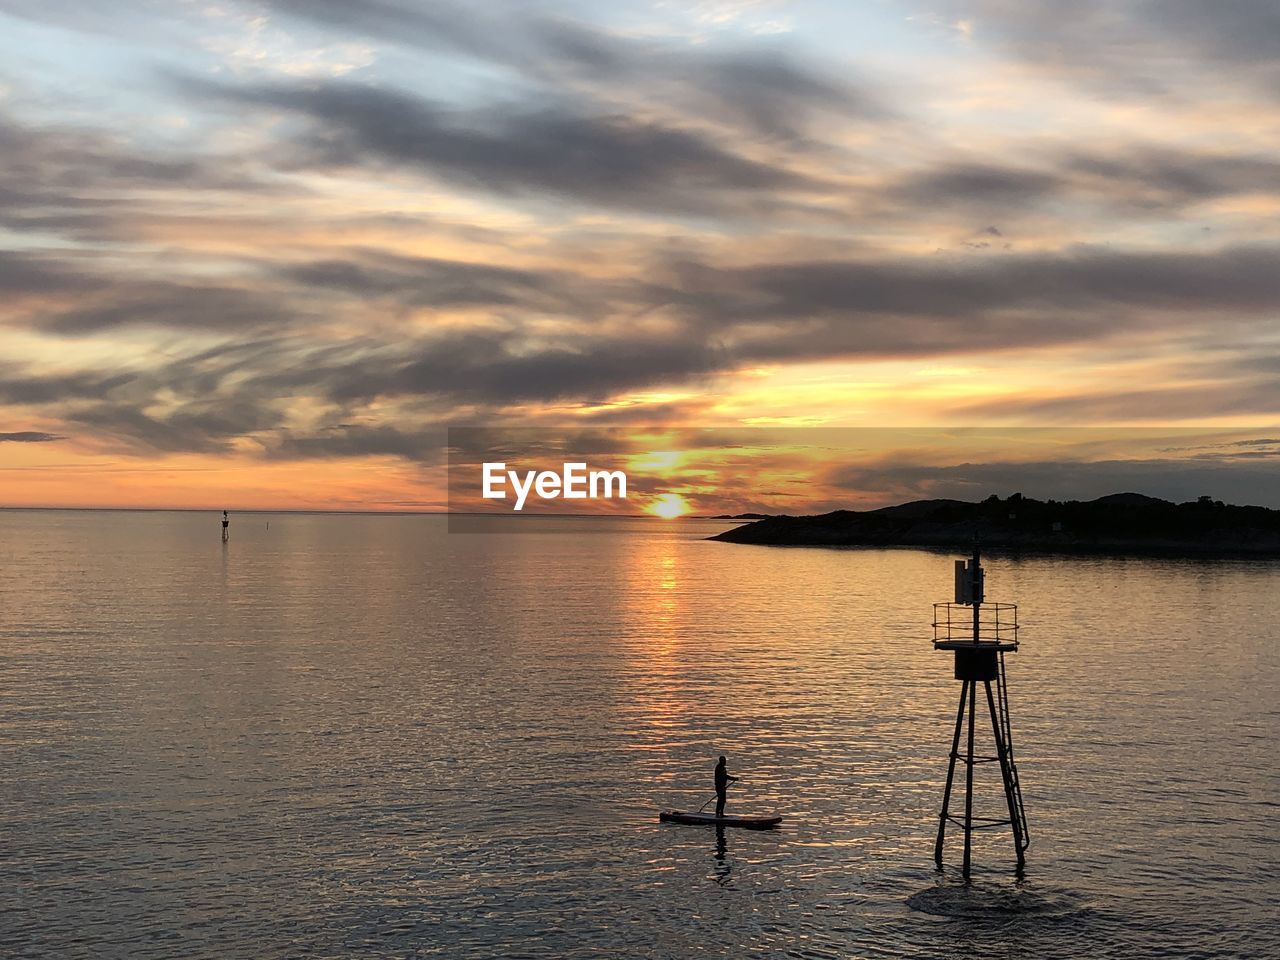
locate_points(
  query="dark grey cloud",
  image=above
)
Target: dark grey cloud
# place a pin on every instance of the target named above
(1014, 297)
(1260, 361)
(22, 389)
(586, 115)
(1226, 32)
(613, 160)
(175, 306)
(206, 426)
(1258, 442)
(187, 403)
(1138, 180)
(986, 184)
(494, 370)
(776, 312)
(764, 92)
(1180, 176)
(434, 282)
(24, 273)
(773, 312)
(30, 436)
(727, 316)
(717, 320)
(87, 183)
(76, 296)
(1138, 47)
(774, 95)
(66, 160)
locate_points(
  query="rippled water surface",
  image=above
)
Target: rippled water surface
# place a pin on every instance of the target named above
(346, 736)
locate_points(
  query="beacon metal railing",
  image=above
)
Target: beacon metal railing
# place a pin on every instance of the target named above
(997, 622)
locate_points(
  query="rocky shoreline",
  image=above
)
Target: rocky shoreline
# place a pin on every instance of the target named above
(1119, 523)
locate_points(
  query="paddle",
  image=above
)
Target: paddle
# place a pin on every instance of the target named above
(713, 796)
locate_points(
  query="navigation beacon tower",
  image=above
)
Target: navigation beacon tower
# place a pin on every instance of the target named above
(980, 634)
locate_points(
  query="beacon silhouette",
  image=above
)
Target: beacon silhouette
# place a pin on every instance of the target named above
(979, 634)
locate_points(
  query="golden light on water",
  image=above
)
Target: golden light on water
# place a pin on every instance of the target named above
(669, 506)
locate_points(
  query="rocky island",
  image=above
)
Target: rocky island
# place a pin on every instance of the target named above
(1120, 523)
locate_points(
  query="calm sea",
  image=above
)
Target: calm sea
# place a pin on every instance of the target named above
(356, 736)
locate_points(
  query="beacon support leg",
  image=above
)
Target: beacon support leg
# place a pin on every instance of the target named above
(951, 772)
(1006, 776)
(968, 781)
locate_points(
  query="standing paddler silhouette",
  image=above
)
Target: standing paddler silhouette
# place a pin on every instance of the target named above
(722, 786)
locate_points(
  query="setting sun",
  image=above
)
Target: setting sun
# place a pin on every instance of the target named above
(669, 506)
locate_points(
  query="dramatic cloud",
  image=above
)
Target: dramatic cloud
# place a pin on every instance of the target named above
(308, 234)
(20, 390)
(198, 426)
(610, 159)
(897, 308)
(769, 92)
(443, 284)
(174, 306)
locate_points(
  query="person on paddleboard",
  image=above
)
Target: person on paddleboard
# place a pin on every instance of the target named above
(722, 786)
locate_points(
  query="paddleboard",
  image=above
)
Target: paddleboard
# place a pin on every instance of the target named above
(749, 823)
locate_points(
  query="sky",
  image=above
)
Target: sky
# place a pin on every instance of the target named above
(262, 253)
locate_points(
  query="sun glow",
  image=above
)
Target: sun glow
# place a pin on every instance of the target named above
(669, 506)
